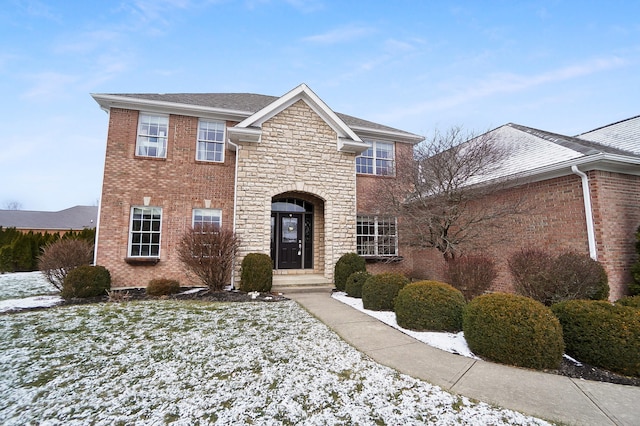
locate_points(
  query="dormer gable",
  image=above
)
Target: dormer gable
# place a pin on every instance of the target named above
(250, 129)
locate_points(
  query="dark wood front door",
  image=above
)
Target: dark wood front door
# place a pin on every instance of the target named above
(289, 237)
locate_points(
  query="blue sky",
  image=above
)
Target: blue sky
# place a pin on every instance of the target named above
(561, 66)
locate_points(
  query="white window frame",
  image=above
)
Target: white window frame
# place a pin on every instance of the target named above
(372, 156)
(154, 229)
(206, 213)
(377, 243)
(153, 134)
(202, 141)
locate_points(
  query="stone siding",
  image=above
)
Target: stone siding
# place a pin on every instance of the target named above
(297, 154)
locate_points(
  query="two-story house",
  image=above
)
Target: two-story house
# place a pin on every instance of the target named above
(291, 177)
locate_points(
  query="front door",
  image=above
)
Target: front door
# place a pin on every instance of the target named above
(290, 241)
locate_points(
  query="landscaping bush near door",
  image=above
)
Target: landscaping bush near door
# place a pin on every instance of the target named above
(345, 266)
(86, 281)
(354, 284)
(430, 305)
(514, 330)
(379, 291)
(256, 273)
(602, 334)
(550, 280)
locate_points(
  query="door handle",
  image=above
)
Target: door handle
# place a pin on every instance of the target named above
(299, 247)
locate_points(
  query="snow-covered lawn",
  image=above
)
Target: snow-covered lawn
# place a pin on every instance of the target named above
(26, 290)
(184, 363)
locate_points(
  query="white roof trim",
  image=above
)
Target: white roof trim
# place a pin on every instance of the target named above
(606, 162)
(240, 134)
(369, 133)
(107, 102)
(349, 145)
(302, 92)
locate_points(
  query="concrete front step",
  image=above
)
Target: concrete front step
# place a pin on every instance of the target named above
(301, 283)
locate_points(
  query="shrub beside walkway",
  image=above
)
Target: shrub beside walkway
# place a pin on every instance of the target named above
(548, 396)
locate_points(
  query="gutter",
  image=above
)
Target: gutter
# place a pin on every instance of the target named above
(587, 211)
(235, 205)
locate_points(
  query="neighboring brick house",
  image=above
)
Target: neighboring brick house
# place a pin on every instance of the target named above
(583, 193)
(290, 176)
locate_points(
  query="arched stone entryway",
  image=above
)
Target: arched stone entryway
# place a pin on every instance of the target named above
(297, 233)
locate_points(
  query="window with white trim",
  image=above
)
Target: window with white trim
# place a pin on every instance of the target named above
(378, 159)
(144, 232)
(377, 236)
(203, 218)
(210, 145)
(152, 135)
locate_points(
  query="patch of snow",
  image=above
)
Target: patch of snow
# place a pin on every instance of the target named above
(194, 290)
(29, 302)
(450, 342)
(24, 284)
(573, 360)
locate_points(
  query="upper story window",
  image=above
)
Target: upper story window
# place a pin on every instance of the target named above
(377, 160)
(144, 232)
(210, 141)
(152, 136)
(206, 218)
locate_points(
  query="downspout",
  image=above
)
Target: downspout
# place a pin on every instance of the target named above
(591, 235)
(235, 202)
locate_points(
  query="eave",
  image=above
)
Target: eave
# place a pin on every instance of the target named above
(107, 102)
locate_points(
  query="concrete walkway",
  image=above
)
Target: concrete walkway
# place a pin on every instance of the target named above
(547, 396)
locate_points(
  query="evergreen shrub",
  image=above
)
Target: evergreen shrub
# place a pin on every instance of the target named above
(162, 287)
(634, 285)
(430, 305)
(602, 334)
(354, 284)
(514, 330)
(345, 266)
(256, 273)
(631, 301)
(86, 281)
(379, 291)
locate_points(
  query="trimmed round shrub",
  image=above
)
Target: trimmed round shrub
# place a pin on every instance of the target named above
(86, 281)
(162, 287)
(379, 291)
(430, 305)
(514, 330)
(354, 284)
(256, 273)
(631, 301)
(601, 334)
(345, 266)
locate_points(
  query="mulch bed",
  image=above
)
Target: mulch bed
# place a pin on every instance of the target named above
(567, 367)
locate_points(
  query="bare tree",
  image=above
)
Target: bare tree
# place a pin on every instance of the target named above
(13, 205)
(60, 257)
(208, 253)
(436, 194)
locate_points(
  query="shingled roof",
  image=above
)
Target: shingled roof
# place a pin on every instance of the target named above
(541, 154)
(248, 103)
(74, 218)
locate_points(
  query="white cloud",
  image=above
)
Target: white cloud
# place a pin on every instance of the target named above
(49, 85)
(340, 35)
(509, 83)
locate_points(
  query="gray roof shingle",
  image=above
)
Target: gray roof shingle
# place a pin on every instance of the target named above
(248, 103)
(74, 218)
